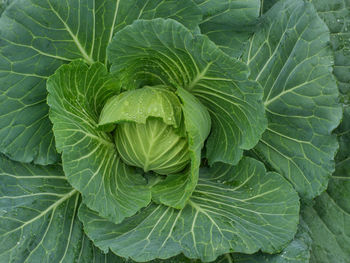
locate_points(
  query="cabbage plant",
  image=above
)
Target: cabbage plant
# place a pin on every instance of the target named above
(174, 131)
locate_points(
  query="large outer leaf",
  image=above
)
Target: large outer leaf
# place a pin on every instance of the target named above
(290, 57)
(253, 210)
(90, 160)
(229, 23)
(37, 36)
(38, 214)
(336, 14)
(169, 54)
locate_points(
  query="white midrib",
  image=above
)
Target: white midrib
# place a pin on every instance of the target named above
(113, 24)
(114, 19)
(82, 50)
(199, 76)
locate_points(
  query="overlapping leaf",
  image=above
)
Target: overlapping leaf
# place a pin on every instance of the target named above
(90, 160)
(37, 36)
(291, 58)
(229, 23)
(253, 210)
(167, 53)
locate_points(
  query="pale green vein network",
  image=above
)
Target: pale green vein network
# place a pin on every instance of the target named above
(291, 59)
(246, 214)
(37, 204)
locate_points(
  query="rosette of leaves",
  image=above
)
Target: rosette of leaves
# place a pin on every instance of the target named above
(141, 131)
(151, 136)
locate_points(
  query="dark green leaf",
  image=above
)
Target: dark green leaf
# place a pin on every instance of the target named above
(229, 23)
(291, 58)
(38, 211)
(329, 222)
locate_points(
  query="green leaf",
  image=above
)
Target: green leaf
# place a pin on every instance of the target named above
(253, 210)
(37, 36)
(166, 53)
(38, 212)
(290, 57)
(329, 222)
(336, 14)
(176, 189)
(91, 163)
(297, 251)
(138, 105)
(229, 23)
(329, 216)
